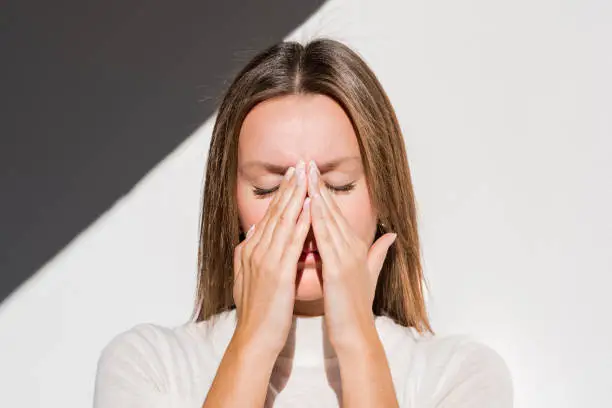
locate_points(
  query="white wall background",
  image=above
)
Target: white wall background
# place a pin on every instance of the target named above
(506, 109)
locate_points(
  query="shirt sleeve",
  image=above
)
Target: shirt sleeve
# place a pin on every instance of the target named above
(460, 372)
(133, 372)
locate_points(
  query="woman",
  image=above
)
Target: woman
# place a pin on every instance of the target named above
(321, 302)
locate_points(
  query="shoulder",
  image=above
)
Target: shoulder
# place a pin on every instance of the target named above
(459, 371)
(144, 345)
(151, 362)
(142, 354)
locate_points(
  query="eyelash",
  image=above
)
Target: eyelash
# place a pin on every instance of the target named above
(262, 193)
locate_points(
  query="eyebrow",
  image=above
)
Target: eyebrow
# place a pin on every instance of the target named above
(323, 167)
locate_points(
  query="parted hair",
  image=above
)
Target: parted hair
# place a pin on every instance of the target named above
(328, 67)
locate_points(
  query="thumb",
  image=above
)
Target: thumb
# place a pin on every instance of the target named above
(378, 253)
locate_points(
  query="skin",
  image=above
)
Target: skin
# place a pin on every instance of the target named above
(351, 268)
(307, 211)
(280, 132)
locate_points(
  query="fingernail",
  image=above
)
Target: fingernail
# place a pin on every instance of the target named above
(394, 237)
(301, 173)
(289, 173)
(307, 203)
(250, 231)
(313, 172)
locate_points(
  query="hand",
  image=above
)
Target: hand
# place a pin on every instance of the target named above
(265, 266)
(350, 267)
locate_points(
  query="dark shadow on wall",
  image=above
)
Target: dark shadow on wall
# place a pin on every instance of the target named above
(95, 94)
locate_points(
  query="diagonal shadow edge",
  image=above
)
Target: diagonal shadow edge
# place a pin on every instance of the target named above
(97, 105)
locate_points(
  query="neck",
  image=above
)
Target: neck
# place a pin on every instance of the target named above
(308, 308)
(308, 341)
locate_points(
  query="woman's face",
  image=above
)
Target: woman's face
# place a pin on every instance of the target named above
(280, 132)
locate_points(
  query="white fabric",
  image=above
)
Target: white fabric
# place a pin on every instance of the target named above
(152, 366)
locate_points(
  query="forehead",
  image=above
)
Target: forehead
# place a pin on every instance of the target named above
(285, 129)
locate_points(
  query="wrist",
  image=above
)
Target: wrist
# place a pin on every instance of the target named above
(251, 349)
(367, 342)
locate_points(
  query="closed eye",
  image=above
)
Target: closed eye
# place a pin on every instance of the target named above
(260, 192)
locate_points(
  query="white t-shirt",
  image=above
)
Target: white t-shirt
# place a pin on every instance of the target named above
(152, 366)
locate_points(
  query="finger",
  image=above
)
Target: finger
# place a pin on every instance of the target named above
(246, 247)
(238, 253)
(321, 210)
(262, 225)
(286, 221)
(249, 233)
(325, 242)
(378, 252)
(283, 219)
(313, 182)
(296, 244)
(237, 260)
(335, 213)
(237, 289)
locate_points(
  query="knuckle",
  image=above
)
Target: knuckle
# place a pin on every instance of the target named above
(246, 250)
(265, 265)
(275, 205)
(284, 219)
(318, 215)
(257, 257)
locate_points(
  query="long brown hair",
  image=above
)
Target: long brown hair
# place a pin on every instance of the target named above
(327, 67)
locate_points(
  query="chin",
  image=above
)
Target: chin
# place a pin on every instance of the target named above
(309, 282)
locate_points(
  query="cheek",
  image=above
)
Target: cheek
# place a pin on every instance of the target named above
(250, 209)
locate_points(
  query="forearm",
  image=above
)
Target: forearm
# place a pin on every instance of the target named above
(242, 377)
(366, 377)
